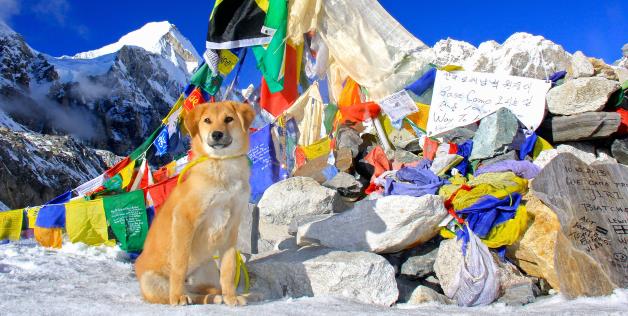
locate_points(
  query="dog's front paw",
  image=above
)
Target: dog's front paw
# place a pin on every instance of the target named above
(180, 300)
(234, 300)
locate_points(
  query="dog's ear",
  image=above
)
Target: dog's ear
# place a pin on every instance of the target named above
(191, 119)
(245, 113)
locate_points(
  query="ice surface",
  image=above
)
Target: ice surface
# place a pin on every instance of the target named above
(83, 280)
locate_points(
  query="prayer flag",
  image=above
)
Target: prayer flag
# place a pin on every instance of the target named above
(195, 98)
(86, 222)
(11, 224)
(270, 59)
(52, 214)
(161, 142)
(265, 169)
(48, 237)
(234, 23)
(126, 214)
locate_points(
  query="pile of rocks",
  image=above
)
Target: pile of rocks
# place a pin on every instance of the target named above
(311, 236)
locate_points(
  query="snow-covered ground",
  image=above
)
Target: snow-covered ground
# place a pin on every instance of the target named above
(82, 280)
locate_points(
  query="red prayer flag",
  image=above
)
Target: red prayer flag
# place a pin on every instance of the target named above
(159, 192)
(360, 112)
(195, 98)
(277, 103)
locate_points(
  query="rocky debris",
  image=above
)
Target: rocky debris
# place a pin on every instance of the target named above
(421, 265)
(580, 66)
(620, 150)
(349, 138)
(534, 253)
(386, 225)
(580, 95)
(602, 69)
(517, 295)
(495, 135)
(287, 199)
(315, 271)
(36, 168)
(346, 185)
(511, 155)
(423, 294)
(587, 155)
(583, 126)
(589, 202)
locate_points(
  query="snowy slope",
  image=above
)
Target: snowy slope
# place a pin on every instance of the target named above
(161, 38)
(81, 280)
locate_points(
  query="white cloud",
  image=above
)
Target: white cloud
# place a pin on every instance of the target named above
(56, 10)
(8, 8)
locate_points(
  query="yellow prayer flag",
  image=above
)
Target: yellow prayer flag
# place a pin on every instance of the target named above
(48, 237)
(31, 213)
(320, 148)
(11, 224)
(540, 145)
(85, 221)
(177, 105)
(127, 174)
(228, 61)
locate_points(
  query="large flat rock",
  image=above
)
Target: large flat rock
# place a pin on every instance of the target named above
(287, 199)
(584, 126)
(581, 95)
(385, 225)
(316, 271)
(591, 203)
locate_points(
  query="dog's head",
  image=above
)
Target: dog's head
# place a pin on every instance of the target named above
(220, 129)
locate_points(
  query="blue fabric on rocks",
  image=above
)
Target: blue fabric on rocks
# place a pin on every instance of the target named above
(414, 181)
(522, 168)
(425, 82)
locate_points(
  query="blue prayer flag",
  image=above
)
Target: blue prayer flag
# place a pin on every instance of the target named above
(52, 214)
(161, 142)
(265, 169)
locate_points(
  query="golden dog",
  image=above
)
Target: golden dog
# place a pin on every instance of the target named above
(200, 218)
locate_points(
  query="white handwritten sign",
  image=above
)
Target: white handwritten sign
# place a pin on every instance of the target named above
(398, 105)
(461, 98)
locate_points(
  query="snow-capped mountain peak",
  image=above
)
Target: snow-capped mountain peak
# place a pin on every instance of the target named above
(162, 38)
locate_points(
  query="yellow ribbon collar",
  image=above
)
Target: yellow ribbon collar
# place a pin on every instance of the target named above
(204, 158)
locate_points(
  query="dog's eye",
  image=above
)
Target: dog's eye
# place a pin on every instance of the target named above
(228, 119)
(207, 120)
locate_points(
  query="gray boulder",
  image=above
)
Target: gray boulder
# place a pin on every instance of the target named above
(385, 225)
(495, 135)
(620, 150)
(581, 95)
(316, 271)
(583, 126)
(423, 294)
(345, 184)
(421, 265)
(287, 199)
(580, 66)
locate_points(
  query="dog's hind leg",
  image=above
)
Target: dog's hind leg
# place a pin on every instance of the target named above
(154, 287)
(205, 282)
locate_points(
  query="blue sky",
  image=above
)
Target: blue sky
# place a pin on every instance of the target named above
(598, 28)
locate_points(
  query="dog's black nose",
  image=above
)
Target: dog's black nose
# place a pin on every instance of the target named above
(217, 135)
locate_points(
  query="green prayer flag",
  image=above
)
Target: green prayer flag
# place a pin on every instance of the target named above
(126, 214)
(205, 79)
(270, 59)
(330, 114)
(139, 151)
